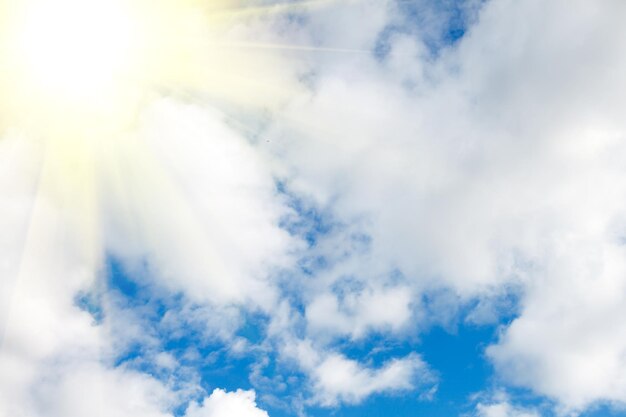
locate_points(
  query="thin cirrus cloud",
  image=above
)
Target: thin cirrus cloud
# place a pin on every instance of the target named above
(416, 167)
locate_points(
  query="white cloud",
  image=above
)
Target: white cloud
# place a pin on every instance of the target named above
(51, 354)
(90, 389)
(358, 313)
(503, 409)
(192, 198)
(336, 379)
(502, 167)
(568, 342)
(56, 360)
(220, 403)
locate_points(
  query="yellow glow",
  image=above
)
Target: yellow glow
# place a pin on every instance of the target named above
(75, 48)
(75, 73)
(84, 67)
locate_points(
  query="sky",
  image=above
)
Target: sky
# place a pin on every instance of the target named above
(274, 208)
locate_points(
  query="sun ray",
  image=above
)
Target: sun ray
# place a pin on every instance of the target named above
(239, 11)
(76, 88)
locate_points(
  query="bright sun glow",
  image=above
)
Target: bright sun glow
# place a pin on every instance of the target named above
(66, 63)
(86, 67)
(76, 47)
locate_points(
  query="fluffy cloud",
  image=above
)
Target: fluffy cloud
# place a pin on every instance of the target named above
(214, 233)
(567, 343)
(56, 358)
(499, 165)
(52, 354)
(90, 389)
(503, 409)
(225, 404)
(357, 313)
(336, 379)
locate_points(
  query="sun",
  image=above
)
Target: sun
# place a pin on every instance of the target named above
(77, 49)
(88, 63)
(88, 66)
(67, 60)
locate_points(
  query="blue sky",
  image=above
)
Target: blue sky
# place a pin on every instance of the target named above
(313, 208)
(456, 351)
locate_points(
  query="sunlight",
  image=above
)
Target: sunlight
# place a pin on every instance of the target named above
(86, 67)
(75, 48)
(86, 64)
